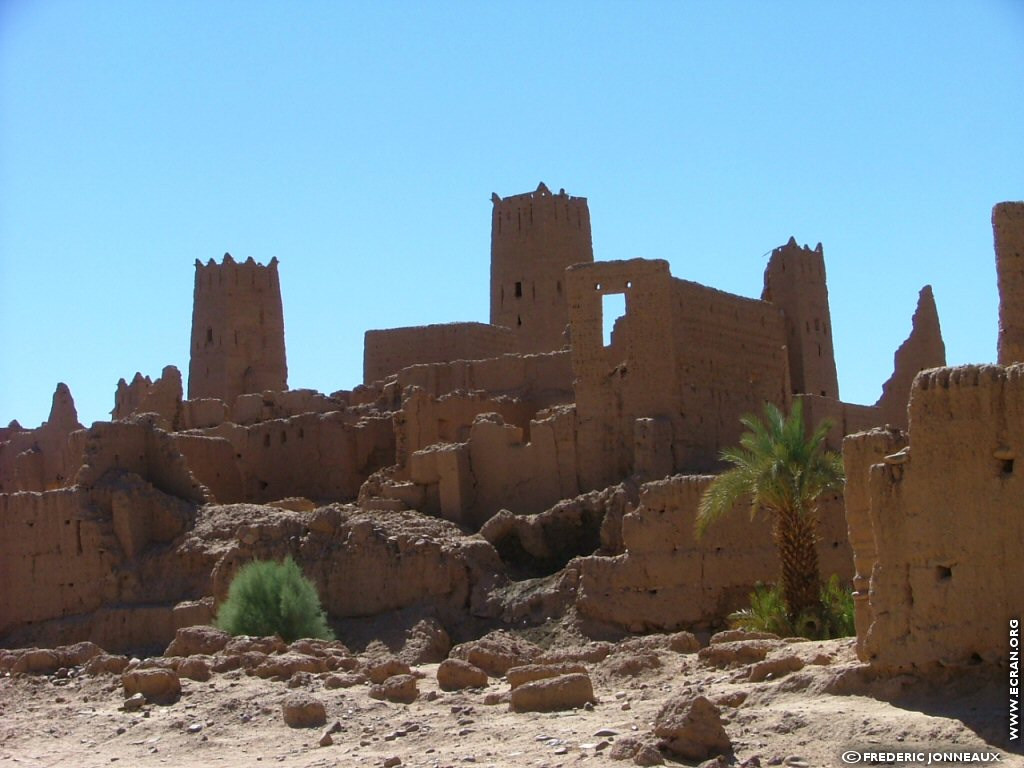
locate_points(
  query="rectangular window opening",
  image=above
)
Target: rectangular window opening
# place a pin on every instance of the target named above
(613, 308)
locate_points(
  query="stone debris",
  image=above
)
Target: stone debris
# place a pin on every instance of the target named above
(456, 674)
(159, 686)
(691, 727)
(554, 693)
(301, 710)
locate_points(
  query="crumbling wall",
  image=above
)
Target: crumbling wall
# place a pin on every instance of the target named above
(947, 523)
(923, 349)
(141, 448)
(386, 352)
(254, 407)
(1008, 229)
(323, 456)
(690, 358)
(794, 281)
(860, 452)
(668, 579)
(633, 377)
(214, 463)
(425, 420)
(143, 395)
(543, 379)
(55, 558)
(534, 238)
(47, 457)
(237, 330)
(496, 469)
(730, 360)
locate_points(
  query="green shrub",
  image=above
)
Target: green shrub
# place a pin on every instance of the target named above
(767, 613)
(268, 598)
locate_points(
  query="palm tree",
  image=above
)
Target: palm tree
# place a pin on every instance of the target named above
(782, 472)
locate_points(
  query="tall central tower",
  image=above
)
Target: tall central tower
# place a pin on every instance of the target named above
(237, 330)
(534, 238)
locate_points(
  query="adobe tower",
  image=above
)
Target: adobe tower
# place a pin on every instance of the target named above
(534, 238)
(1008, 228)
(794, 281)
(237, 330)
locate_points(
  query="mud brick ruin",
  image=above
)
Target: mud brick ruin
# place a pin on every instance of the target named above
(475, 458)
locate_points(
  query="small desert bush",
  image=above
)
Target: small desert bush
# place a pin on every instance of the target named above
(269, 598)
(767, 613)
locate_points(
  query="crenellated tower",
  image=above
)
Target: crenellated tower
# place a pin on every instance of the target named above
(237, 330)
(794, 281)
(534, 238)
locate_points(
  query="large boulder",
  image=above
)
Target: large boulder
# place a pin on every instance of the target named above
(159, 686)
(528, 673)
(300, 710)
(691, 727)
(497, 652)
(456, 674)
(553, 693)
(200, 639)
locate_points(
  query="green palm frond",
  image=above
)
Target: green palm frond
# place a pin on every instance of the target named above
(776, 465)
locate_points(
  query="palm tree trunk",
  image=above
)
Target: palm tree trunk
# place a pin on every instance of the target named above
(795, 535)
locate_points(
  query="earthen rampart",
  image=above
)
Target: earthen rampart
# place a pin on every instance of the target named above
(45, 458)
(946, 521)
(542, 379)
(667, 579)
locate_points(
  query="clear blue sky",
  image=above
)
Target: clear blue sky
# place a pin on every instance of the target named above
(360, 142)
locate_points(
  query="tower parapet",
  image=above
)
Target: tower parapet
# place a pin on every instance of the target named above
(237, 330)
(534, 237)
(794, 281)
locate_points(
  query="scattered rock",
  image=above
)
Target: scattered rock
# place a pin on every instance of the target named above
(426, 643)
(456, 674)
(106, 664)
(301, 710)
(37, 661)
(401, 689)
(380, 671)
(691, 727)
(732, 699)
(734, 635)
(631, 665)
(197, 640)
(737, 652)
(392, 761)
(159, 686)
(497, 652)
(775, 667)
(591, 653)
(244, 644)
(286, 665)
(195, 668)
(683, 642)
(648, 754)
(528, 673)
(348, 680)
(555, 693)
(134, 702)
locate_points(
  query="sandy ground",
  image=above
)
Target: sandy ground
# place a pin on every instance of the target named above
(807, 717)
